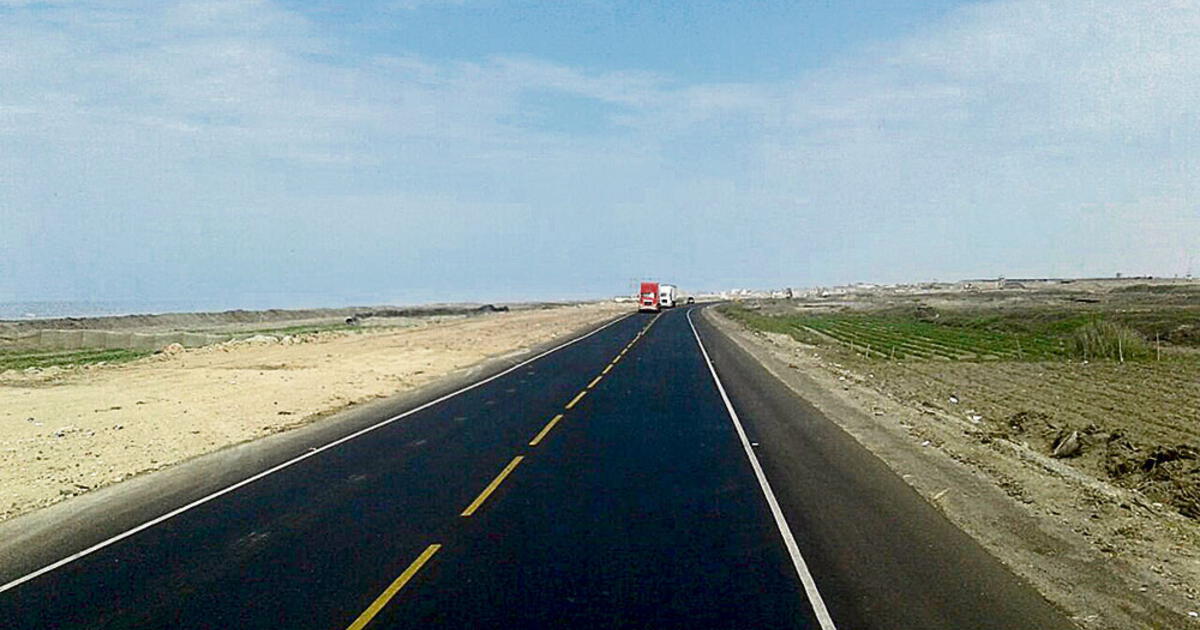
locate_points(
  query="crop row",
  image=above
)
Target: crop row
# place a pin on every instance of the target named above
(881, 337)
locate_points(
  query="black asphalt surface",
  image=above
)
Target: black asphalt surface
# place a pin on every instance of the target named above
(639, 508)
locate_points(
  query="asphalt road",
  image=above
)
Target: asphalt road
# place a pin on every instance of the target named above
(603, 485)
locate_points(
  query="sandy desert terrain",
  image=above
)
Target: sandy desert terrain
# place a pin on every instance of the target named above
(68, 430)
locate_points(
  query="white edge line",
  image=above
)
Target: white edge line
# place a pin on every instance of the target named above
(806, 578)
(274, 469)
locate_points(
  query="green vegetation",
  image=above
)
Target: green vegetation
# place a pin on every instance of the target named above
(1178, 325)
(22, 359)
(900, 338)
(1108, 340)
(768, 323)
(960, 336)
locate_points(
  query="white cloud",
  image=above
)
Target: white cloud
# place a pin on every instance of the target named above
(989, 142)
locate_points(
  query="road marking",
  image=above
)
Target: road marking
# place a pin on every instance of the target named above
(546, 429)
(617, 358)
(491, 487)
(594, 381)
(386, 596)
(278, 467)
(576, 398)
(607, 369)
(624, 351)
(806, 578)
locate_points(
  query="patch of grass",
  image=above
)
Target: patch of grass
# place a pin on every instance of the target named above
(1178, 325)
(978, 335)
(1102, 339)
(768, 323)
(22, 359)
(912, 335)
(900, 337)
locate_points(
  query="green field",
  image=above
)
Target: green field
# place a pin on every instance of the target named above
(22, 359)
(899, 338)
(903, 336)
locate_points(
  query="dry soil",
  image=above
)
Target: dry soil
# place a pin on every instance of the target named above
(64, 432)
(1114, 549)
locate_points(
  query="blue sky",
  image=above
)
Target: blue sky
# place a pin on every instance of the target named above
(239, 153)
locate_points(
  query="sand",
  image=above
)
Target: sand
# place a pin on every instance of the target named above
(65, 432)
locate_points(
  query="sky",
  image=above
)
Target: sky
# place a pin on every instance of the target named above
(250, 153)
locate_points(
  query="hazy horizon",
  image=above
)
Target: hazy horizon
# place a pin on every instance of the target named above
(273, 152)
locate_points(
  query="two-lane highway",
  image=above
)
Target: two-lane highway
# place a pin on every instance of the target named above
(604, 484)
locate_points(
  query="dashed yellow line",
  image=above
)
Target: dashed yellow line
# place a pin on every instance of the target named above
(491, 487)
(387, 595)
(544, 431)
(576, 398)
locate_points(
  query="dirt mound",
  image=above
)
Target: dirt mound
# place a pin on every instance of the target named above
(1167, 474)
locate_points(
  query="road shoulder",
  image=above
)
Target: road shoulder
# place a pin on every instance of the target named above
(1096, 591)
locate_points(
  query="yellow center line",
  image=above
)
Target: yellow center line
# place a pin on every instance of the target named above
(387, 595)
(492, 486)
(544, 431)
(576, 398)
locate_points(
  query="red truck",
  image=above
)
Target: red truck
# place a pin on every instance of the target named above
(648, 297)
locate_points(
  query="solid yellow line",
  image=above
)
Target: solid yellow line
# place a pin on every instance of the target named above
(607, 369)
(381, 601)
(492, 486)
(549, 425)
(576, 398)
(594, 381)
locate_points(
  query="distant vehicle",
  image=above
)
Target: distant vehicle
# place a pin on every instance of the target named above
(666, 295)
(691, 300)
(648, 297)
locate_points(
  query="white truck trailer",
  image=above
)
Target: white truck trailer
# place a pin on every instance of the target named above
(666, 295)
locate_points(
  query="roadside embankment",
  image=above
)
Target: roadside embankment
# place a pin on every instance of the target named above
(66, 431)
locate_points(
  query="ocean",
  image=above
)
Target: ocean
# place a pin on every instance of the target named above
(77, 308)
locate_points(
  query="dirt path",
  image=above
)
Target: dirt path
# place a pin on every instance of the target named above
(65, 432)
